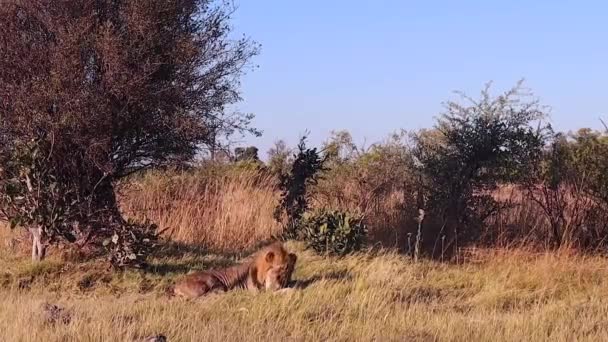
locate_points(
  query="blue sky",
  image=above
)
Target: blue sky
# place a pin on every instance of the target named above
(373, 67)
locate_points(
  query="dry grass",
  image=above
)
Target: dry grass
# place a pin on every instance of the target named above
(227, 211)
(502, 296)
(226, 208)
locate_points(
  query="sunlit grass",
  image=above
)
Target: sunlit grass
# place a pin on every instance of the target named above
(510, 296)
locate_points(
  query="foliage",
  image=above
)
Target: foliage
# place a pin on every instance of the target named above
(107, 89)
(305, 171)
(279, 158)
(246, 154)
(334, 232)
(472, 150)
(131, 243)
(570, 185)
(370, 173)
(340, 148)
(590, 160)
(34, 195)
(377, 181)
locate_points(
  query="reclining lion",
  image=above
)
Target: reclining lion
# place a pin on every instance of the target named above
(271, 269)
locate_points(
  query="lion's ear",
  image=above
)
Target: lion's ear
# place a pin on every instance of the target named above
(269, 257)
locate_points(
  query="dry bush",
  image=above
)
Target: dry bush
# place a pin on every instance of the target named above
(538, 216)
(520, 221)
(230, 208)
(225, 210)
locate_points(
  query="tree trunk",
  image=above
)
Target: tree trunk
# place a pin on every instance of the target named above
(104, 199)
(104, 208)
(38, 247)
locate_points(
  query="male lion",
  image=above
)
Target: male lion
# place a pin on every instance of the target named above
(279, 277)
(270, 269)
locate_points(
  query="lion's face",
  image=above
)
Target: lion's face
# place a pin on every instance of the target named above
(275, 278)
(278, 276)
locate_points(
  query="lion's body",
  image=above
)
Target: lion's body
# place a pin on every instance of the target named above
(201, 283)
(268, 269)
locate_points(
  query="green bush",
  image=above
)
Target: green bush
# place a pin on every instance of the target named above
(333, 232)
(476, 146)
(130, 243)
(305, 172)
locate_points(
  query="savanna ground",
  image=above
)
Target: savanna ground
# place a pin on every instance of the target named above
(497, 296)
(380, 294)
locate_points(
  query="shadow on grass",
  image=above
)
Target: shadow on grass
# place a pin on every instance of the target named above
(331, 276)
(180, 258)
(171, 249)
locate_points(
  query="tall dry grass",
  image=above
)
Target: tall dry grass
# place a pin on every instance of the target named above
(225, 207)
(228, 210)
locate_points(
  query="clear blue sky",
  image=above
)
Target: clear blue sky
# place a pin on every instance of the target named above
(373, 67)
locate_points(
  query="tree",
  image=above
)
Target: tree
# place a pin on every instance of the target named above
(246, 154)
(279, 158)
(340, 148)
(95, 90)
(473, 149)
(295, 186)
(570, 185)
(223, 126)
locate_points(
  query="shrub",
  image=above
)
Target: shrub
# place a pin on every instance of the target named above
(474, 148)
(571, 188)
(295, 195)
(279, 158)
(131, 243)
(376, 181)
(333, 232)
(35, 195)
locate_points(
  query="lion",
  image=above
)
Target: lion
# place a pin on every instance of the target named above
(279, 277)
(271, 269)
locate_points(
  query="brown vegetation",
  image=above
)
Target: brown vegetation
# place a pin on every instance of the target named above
(223, 211)
(233, 210)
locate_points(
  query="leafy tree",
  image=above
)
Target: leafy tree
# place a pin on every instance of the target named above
(246, 154)
(590, 160)
(340, 148)
(279, 158)
(305, 172)
(95, 90)
(473, 148)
